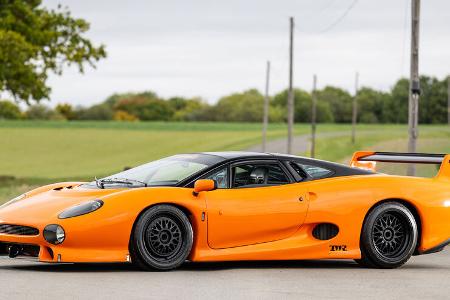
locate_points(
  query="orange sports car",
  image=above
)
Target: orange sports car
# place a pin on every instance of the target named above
(236, 206)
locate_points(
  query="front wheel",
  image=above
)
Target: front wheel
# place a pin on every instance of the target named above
(162, 238)
(389, 236)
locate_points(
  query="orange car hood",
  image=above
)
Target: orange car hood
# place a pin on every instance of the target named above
(49, 204)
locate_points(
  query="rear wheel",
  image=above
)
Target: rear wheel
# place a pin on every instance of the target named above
(389, 236)
(162, 239)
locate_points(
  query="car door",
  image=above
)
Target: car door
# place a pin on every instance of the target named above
(252, 209)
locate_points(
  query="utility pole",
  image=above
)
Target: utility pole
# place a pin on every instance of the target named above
(290, 100)
(448, 101)
(313, 117)
(355, 109)
(266, 109)
(414, 82)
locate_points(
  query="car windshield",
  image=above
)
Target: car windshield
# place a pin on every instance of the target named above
(164, 172)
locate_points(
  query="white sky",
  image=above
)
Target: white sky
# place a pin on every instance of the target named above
(212, 48)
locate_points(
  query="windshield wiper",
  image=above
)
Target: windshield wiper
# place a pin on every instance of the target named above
(101, 183)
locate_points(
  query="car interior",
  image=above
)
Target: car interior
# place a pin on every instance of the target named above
(259, 174)
(253, 175)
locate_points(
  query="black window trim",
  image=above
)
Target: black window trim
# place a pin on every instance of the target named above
(310, 163)
(338, 170)
(214, 170)
(294, 173)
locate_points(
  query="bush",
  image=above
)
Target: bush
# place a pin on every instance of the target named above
(121, 115)
(42, 112)
(66, 110)
(96, 112)
(9, 110)
(146, 109)
(303, 107)
(190, 110)
(240, 107)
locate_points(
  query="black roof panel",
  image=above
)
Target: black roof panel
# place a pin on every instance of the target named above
(238, 154)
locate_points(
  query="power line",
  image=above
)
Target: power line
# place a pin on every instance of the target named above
(325, 7)
(334, 23)
(342, 17)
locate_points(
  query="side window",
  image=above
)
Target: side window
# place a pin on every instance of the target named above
(253, 175)
(314, 172)
(221, 177)
(299, 171)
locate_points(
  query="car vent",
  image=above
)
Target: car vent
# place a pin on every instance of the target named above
(18, 230)
(325, 231)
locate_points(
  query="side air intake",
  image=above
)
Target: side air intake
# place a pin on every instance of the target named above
(325, 231)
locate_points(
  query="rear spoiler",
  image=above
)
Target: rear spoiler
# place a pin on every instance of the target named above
(368, 160)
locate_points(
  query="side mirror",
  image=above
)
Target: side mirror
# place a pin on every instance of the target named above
(204, 185)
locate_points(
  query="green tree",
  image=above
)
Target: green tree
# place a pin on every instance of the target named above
(370, 105)
(303, 107)
(66, 110)
(191, 110)
(146, 108)
(240, 107)
(95, 112)
(433, 100)
(35, 41)
(396, 109)
(432, 103)
(9, 110)
(115, 98)
(178, 103)
(42, 112)
(339, 101)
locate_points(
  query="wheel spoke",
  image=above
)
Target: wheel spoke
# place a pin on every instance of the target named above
(389, 234)
(163, 237)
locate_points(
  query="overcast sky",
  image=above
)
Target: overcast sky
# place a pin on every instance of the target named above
(211, 48)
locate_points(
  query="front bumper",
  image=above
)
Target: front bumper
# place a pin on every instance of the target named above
(67, 252)
(31, 243)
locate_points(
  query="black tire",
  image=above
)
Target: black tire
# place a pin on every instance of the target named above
(162, 239)
(389, 236)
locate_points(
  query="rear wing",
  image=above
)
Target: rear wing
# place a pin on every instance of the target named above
(368, 160)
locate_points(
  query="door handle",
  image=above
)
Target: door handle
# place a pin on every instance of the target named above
(312, 196)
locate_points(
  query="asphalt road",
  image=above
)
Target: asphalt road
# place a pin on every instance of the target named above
(424, 277)
(300, 143)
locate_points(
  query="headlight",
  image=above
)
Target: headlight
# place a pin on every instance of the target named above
(81, 209)
(54, 234)
(18, 198)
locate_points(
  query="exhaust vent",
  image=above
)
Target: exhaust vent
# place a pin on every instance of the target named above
(325, 231)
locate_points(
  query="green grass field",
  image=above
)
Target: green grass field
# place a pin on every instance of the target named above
(33, 153)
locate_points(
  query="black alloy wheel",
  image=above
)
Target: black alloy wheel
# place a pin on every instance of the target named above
(389, 236)
(162, 238)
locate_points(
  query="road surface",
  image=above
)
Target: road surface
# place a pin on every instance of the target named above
(300, 143)
(424, 277)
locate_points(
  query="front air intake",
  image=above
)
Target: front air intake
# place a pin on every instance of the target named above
(325, 231)
(18, 230)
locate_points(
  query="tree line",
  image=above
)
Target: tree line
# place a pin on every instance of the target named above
(334, 105)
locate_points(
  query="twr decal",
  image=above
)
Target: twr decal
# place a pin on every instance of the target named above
(334, 248)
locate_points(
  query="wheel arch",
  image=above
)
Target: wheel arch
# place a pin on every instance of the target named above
(410, 206)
